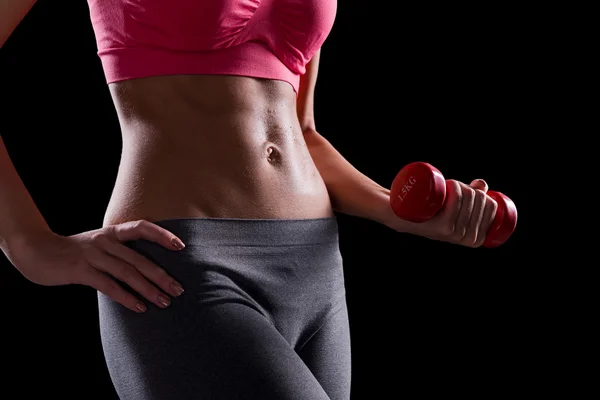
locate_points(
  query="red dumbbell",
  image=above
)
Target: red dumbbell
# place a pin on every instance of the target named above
(418, 193)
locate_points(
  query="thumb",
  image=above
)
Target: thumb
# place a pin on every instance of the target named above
(479, 184)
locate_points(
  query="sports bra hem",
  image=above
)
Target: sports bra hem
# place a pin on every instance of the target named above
(247, 59)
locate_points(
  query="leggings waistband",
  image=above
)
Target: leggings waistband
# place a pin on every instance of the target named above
(252, 232)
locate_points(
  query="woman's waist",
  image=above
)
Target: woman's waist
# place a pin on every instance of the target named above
(292, 261)
(288, 248)
(243, 186)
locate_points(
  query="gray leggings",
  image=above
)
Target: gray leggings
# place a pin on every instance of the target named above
(263, 316)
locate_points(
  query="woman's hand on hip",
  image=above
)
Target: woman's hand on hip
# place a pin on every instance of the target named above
(99, 259)
(464, 219)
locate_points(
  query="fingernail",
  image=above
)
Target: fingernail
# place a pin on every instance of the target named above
(178, 244)
(177, 289)
(141, 307)
(163, 300)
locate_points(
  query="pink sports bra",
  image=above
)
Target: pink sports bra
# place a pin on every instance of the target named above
(272, 39)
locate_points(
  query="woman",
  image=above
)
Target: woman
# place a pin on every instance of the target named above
(226, 189)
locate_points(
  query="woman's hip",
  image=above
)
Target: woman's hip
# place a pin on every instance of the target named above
(289, 271)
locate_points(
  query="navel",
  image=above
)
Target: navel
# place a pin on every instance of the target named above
(272, 154)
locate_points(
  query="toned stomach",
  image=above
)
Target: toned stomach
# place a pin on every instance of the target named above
(212, 146)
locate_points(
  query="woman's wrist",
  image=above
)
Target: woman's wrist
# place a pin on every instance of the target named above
(383, 213)
(16, 241)
(373, 204)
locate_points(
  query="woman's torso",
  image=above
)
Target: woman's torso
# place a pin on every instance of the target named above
(212, 146)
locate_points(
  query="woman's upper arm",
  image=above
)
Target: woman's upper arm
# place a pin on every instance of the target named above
(306, 93)
(12, 13)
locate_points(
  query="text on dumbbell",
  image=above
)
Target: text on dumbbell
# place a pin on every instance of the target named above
(406, 188)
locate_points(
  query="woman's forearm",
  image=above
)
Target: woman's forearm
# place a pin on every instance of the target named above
(19, 215)
(351, 192)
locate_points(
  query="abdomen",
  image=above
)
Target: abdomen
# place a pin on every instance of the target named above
(213, 146)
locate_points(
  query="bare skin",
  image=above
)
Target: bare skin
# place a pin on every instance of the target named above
(213, 146)
(207, 146)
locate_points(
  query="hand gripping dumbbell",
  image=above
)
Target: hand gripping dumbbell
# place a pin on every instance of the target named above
(418, 192)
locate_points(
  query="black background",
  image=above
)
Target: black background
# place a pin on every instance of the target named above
(448, 85)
